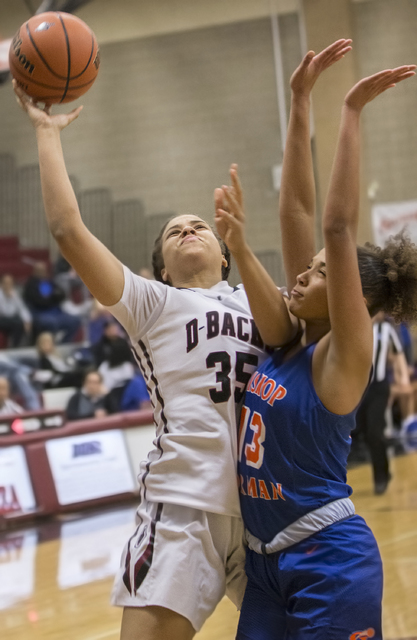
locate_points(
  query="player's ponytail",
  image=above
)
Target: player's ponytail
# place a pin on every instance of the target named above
(389, 278)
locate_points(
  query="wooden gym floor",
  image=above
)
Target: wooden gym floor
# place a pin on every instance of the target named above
(55, 579)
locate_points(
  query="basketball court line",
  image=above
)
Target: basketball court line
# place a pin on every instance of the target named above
(405, 536)
(116, 632)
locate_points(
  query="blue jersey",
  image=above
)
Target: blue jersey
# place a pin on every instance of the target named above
(292, 450)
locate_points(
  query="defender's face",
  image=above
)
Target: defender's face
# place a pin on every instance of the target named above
(309, 296)
(189, 244)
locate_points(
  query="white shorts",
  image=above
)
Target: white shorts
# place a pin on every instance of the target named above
(182, 559)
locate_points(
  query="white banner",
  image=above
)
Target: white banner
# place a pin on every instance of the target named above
(16, 494)
(90, 466)
(390, 218)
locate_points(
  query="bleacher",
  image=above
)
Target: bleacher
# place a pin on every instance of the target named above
(18, 261)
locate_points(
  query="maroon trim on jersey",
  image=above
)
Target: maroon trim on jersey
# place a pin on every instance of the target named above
(126, 575)
(144, 563)
(155, 381)
(144, 373)
(160, 400)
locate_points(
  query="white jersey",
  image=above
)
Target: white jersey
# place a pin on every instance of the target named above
(197, 349)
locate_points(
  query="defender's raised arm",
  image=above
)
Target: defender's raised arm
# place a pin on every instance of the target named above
(298, 194)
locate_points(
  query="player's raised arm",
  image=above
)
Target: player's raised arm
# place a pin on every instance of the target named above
(297, 194)
(268, 307)
(349, 356)
(99, 269)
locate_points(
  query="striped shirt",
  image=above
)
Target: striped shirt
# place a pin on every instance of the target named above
(385, 339)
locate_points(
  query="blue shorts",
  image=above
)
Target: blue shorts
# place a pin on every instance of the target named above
(327, 587)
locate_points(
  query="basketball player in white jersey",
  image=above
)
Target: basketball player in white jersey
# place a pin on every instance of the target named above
(197, 346)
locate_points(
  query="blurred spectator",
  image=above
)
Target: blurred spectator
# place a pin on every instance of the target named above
(7, 406)
(15, 319)
(117, 369)
(63, 274)
(18, 376)
(112, 344)
(115, 363)
(44, 298)
(52, 370)
(78, 301)
(100, 317)
(135, 395)
(407, 343)
(114, 360)
(402, 411)
(89, 401)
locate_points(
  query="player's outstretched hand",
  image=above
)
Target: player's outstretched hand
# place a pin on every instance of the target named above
(42, 117)
(304, 77)
(369, 88)
(229, 216)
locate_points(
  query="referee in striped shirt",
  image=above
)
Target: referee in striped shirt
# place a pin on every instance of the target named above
(370, 419)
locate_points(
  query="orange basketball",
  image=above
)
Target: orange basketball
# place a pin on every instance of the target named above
(54, 57)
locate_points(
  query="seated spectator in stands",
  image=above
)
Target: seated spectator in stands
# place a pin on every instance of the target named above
(44, 298)
(18, 376)
(116, 365)
(90, 400)
(63, 274)
(113, 337)
(117, 368)
(7, 406)
(114, 360)
(15, 319)
(53, 371)
(78, 300)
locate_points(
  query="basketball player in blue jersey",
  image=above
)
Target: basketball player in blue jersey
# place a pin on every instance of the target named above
(313, 566)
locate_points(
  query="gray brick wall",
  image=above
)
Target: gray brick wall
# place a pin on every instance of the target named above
(385, 38)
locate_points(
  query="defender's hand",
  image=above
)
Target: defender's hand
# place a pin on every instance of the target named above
(304, 77)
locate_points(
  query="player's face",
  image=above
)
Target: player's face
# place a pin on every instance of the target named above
(189, 245)
(309, 296)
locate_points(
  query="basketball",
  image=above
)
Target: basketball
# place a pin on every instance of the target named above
(54, 57)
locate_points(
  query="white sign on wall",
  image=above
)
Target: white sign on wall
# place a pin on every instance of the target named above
(390, 218)
(16, 493)
(90, 466)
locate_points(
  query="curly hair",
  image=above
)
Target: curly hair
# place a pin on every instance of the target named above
(389, 277)
(158, 261)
